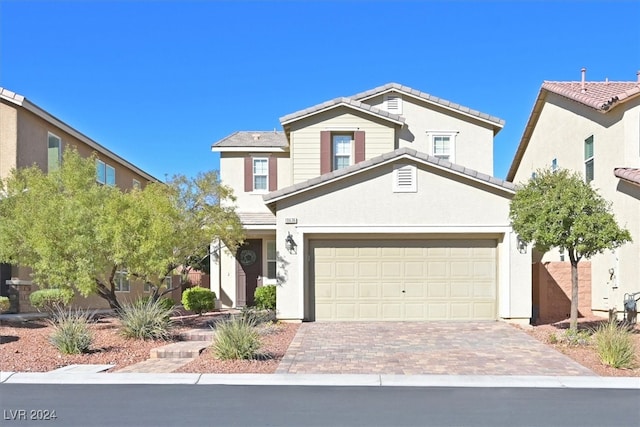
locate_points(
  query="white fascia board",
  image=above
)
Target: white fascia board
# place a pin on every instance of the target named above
(342, 104)
(250, 149)
(260, 227)
(402, 229)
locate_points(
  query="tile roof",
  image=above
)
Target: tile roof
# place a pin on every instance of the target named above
(338, 102)
(254, 139)
(367, 164)
(257, 218)
(631, 175)
(427, 97)
(599, 95)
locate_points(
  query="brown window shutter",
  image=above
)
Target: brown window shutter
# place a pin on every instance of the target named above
(273, 173)
(325, 152)
(248, 174)
(359, 146)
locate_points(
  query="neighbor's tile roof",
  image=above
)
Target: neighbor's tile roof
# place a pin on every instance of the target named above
(598, 95)
(349, 102)
(427, 97)
(273, 138)
(257, 218)
(631, 175)
(367, 164)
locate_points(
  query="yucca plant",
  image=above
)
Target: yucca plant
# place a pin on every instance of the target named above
(146, 321)
(71, 332)
(237, 338)
(615, 345)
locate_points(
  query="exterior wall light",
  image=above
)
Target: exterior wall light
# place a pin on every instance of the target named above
(290, 244)
(522, 246)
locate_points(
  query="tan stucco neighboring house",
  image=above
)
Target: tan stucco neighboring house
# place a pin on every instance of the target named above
(592, 127)
(30, 135)
(377, 206)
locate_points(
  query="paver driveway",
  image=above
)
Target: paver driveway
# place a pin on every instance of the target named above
(465, 348)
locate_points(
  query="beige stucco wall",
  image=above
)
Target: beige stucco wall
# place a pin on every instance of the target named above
(305, 138)
(473, 141)
(232, 175)
(559, 133)
(8, 138)
(444, 207)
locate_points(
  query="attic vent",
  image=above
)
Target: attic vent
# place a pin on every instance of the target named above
(404, 179)
(255, 136)
(393, 103)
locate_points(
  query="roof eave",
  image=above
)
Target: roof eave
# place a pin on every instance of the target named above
(286, 123)
(245, 149)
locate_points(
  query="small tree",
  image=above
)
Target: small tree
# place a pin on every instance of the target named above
(558, 209)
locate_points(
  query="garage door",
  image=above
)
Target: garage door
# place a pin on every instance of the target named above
(404, 279)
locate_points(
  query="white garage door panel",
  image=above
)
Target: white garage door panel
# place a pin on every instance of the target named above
(404, 279)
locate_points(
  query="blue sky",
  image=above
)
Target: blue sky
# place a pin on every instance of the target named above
(159, 81)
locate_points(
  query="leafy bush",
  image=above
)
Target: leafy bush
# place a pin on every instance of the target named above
(615, 345)
(199, 300)
(165, 302)
(146, 321)
(236, 339)
(4, 304)
(71, 333)
(265, 297)
(52, 300)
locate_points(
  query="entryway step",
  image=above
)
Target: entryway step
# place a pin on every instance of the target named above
(198, 335)
(184, 349)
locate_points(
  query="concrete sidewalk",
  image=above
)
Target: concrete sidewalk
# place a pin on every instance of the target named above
(348, 380)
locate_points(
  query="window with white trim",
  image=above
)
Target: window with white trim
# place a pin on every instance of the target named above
(393, 103)
(121, 280)
(588, 159)
(136, 184)
(260, 174)
(271, 259)
(404, 179)
(54, 152)
(342, 145)
(105, 174)
(442, 145)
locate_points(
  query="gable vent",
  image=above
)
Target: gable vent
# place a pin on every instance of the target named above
(393, 103)
(404, 179)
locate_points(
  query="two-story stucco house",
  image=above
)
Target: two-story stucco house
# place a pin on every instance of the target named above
(30, 135)
(377, 206)
(592, 127)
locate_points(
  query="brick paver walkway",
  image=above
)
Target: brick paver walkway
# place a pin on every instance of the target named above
(464, 348)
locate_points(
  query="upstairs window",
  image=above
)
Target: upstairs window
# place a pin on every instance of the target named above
(442, 147)
(342, 150)
(588, 159)
(54, 153)
(105, 174)
(260, 174)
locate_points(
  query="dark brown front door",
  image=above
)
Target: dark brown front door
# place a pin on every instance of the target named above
(249, 271)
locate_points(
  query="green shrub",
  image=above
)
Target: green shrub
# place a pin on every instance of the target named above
(146, 321)
(615, 345)
(198, 300)
(265, 297)
(4, 304)
(575, 337)
(165, 302)
(236, 339)
(51, 300)
(71, 333)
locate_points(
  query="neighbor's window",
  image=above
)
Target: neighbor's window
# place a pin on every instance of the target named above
(342, 149)
(260, 174)
(54, 153)
(588, 159)
(136, 184)
(105, 174)
(271, 259)
(121, 280)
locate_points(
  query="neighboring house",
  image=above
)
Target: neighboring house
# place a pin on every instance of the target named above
(379, 206)
(592, 128)
(30, 135)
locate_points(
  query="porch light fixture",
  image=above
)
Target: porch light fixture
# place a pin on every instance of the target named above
(290, 244)
(522, 245)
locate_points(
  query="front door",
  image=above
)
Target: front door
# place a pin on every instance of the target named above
(249, 271)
